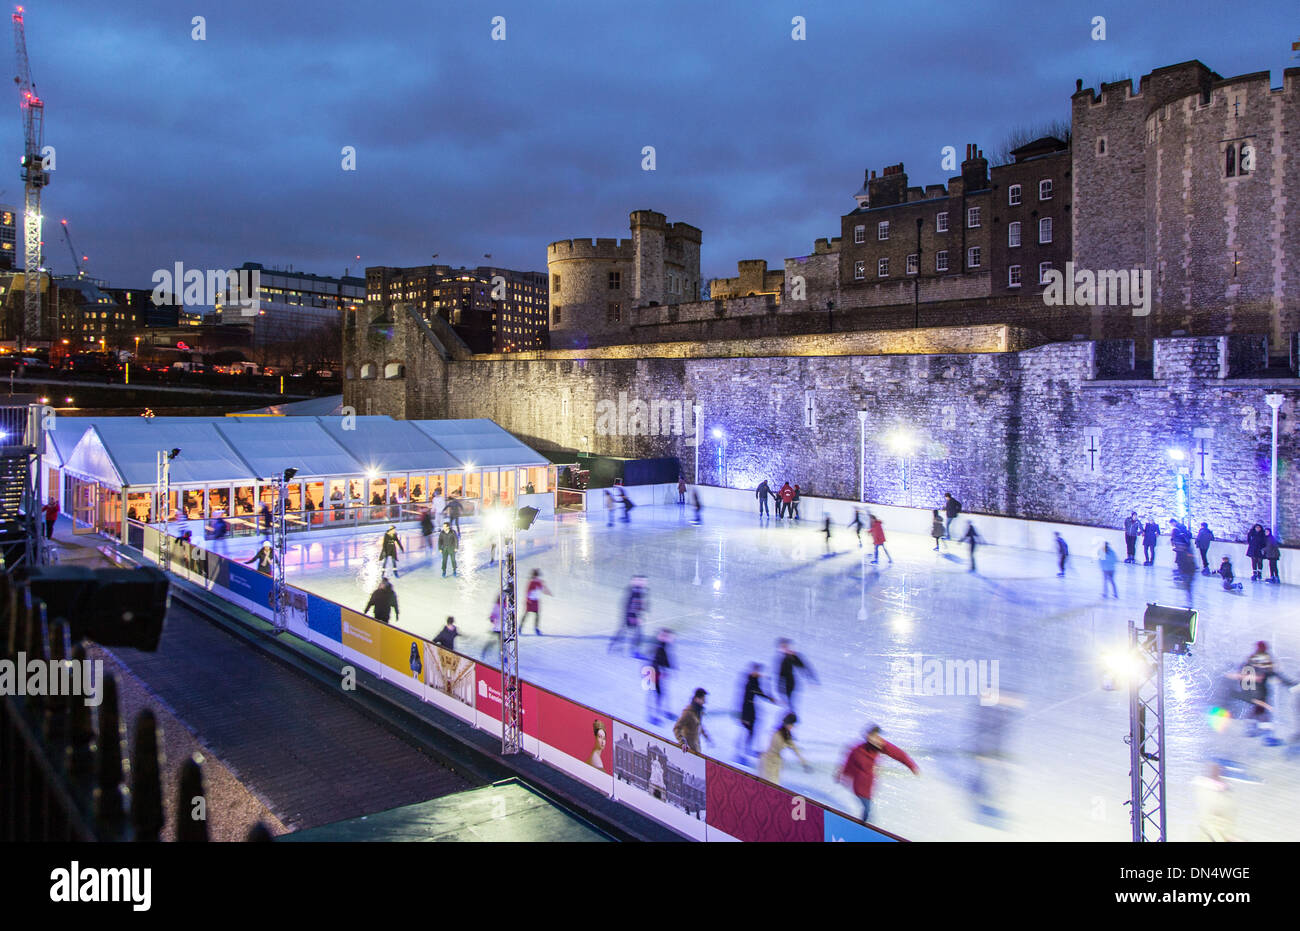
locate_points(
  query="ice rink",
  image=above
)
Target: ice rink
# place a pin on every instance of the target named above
(730, 587)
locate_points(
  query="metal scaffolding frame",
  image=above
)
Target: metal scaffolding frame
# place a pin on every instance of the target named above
(1146, 739)
(511, 697)
(279, 589)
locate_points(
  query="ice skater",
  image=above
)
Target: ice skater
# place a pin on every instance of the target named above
(826, 529)
(388, 548)
(447, 543)
(1150, 534)
(1255, 538)
(447, 636)
(787, 681)
(1256, 676)
(681, 489)
(795, 497)
(859, 768)
(699, 507)
(609, 509)
(532, 601)
(1272, 552)
(690, 725)
(753, 691)
(635, 604)
(1230, 583)
(1108, 560)
(878, 539)
(220, 531)
(857, 525)
(992, 757)
(451, 514)
(785, 501)
(769, 764)
(761, 493)
(656, 683)
(426, 530)
(1062, 554)
(1204, 537)
(1132, 532)
(627, 504)
(937, 529)
(264, 557)
(494, 624)
(971, 538)
(951, 508)
(383, 600)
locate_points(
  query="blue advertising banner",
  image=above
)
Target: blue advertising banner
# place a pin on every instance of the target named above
(840, 829)
(250, 584)
(324, 617)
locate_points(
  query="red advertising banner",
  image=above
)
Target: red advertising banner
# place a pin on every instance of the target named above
(749, 809)
(576, 730)
(488, 700)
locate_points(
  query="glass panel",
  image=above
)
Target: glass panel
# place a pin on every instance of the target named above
(243, 500)
(418, 488)
(138, 505)
(192, 504)
(490, 479)
(474, 486)
(219, 500)
(377, 492)
(437, 484)
(294, 494)
(455, 484)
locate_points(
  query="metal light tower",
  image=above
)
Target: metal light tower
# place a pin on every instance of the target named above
(511, 699)
(35, 176)
(1164, 629)
(1146, 739)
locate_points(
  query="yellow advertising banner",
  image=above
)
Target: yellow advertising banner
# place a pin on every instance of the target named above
(363, 634)
(402, 652)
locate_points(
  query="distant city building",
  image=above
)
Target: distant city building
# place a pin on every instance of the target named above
(90, 317)
(492, 309)
(291, 305)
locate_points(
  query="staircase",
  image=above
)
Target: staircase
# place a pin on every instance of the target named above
(20, 542)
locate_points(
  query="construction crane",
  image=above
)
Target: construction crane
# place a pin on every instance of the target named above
(67, 235)
(35, 177)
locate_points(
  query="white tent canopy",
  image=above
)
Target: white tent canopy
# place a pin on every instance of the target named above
(479, 442)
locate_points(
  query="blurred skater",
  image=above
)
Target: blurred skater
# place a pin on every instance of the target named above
(951, 508)
(1108, 560)
(609, 509)
(1062, 554)
(532, 601)
(657, 682)
(826, 529)
(787, 681)
(635, 604)
(695, 503)
(993, 722)
(749, 708)
(972, 539)
(857, 525)
(494, 623)
(858, 771)
(426, 530)
(769, 764)
(627, 505)
(447, 636)
(1256, 677)
(1216, 811)
(878, 539)
(937, 529)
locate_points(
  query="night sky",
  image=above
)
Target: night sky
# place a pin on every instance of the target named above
(229, 150)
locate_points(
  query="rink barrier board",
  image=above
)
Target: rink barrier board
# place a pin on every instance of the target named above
(681, 804)
(994, 530)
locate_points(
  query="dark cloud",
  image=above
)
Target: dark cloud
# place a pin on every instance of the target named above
(228, 150)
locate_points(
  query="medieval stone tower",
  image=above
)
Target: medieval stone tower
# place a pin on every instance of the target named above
(595, 285)
(1197, 179)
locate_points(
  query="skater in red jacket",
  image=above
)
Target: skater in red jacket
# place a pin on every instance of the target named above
(878, 538)
(859, 769)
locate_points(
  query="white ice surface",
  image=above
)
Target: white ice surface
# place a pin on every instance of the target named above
(729, 588)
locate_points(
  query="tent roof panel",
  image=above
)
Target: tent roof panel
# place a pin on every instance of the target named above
(272, 444)
(386, 445)
(480, 442)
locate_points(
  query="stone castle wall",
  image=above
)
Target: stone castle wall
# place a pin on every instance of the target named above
(1031, 433)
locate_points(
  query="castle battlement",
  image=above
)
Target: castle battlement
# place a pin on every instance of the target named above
(589, 249)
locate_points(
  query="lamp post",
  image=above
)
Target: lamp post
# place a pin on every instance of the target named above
(901, 442)
(1275, 402)
(696, 409)
(722, 455)
(862, 455)
(165, 458)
